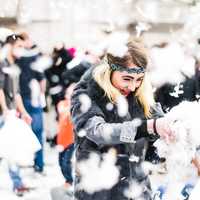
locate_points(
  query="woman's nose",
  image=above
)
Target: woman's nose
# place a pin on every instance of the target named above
(132, 86)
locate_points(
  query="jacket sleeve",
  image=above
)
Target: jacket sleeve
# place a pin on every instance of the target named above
(156, 111)
(97, 129)
(103, 133)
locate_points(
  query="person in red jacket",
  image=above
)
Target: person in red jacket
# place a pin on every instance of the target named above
(65, 136)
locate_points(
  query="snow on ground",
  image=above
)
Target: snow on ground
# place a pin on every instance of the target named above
(41, 184)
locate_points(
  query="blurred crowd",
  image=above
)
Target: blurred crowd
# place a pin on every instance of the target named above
(28, 77)
(32, 82)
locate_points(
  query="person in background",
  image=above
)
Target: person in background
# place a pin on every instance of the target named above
(65, 136)
(55, 82)
(170, 95)
(65, 140)
(32, 85)
(10, 98)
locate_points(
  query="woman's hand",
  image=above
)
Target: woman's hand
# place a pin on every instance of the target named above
(163, 127)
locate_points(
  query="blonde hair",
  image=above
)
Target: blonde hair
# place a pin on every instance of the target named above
(102, 75)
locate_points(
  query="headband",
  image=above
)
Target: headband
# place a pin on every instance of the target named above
(135, 69)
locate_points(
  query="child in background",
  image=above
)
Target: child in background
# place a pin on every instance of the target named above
(65, 136)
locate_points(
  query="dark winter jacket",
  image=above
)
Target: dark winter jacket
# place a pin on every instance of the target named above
(73, 75)
(170, 95)
(126, 138)
(27, 74)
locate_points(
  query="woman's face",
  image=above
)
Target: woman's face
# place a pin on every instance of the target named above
(126, 82)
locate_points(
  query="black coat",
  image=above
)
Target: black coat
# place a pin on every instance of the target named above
(98, 115)
(73, 75)
(55, 79)
(189, 91)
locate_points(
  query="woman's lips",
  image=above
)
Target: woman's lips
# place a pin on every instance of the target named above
(125, 93)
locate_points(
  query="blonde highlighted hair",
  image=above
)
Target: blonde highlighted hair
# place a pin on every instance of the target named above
(102, 75)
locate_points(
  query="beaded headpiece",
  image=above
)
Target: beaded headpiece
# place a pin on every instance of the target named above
(135, 69)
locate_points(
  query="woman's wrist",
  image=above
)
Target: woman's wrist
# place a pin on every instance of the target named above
(151, 126)
(155, 126)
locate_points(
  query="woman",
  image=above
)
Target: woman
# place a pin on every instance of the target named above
(105, 84)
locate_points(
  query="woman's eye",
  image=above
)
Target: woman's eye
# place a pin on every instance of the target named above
(126, 79)
(139, 80)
